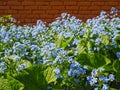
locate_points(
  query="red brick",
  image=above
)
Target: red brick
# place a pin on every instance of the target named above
(106, 8)
(31, 7)
(71, 11)
(98, 3)
(28, 3)
(44, 7)
(58, 7)
(70, 3)
(82, 8)
(84, 3)
(24, 12)
(72, 7)
(49, 21)
(1, 3)
(56, 3)
(48, 16)
(18, 16)
(4, 3)
(38, 12)
(42, 3)
(11, 11)
(84, 12)
(52, 12)
(28, 20)
(35, 16)
(48, 10)
(4, 7)
(17, 7)
(94, 8)
(10, 2)
(111, 3)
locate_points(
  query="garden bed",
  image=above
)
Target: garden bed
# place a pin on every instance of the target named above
(68, 54)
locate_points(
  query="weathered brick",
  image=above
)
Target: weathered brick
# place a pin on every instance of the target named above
(56, 3)
(58, 7)
(1, 3)
(52, 12)
(42, 3)
(11, 12)
(24, 12)
(70, 3)
(17, 7)
(4, 7)
(94, 8)
(45, 7)
(10, 2)
(28, 11)
(31, 7)
(38, 12)
(98, 3)
(84, 3)
(72, 7)
(111, 3)
(28, 3)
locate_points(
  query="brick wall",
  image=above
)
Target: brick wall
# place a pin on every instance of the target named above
(29, 11)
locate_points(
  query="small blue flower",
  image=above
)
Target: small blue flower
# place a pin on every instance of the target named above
(104, 79)
(118, 54)
(105, 87)
(95, 88)
(23, 66)
(57, 72)
(111, 77)
(76, 80)
(92, 80)
(3, 68)
(94, 72)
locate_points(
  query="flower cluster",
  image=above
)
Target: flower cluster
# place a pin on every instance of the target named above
(100, 81)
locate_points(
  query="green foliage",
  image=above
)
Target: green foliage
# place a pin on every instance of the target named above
(10, 83)
(116, 68)
(93, 60)
(62, 42)
(36, 77)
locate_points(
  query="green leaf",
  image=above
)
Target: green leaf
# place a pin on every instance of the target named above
(15, 84)
(39, 75)
(116, 65)
(32, 78)
(89, 45)
(98, 60)
(81, 48)
(10, 83)
(105, 39)
(49, 75)
(84, 59)
(93, 60)
(112, 89)
(59, 40)
(1, 19)
(4, 85)
(63, 42)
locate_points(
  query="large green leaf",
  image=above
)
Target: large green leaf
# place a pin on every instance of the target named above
(10, 83)
(81, 48)
(105, 39)
(63, 42)
(49, 75)
(36, 77)
(94, 60)
(116, 65)
(84, 59)
(98, 60)
(116, 68)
